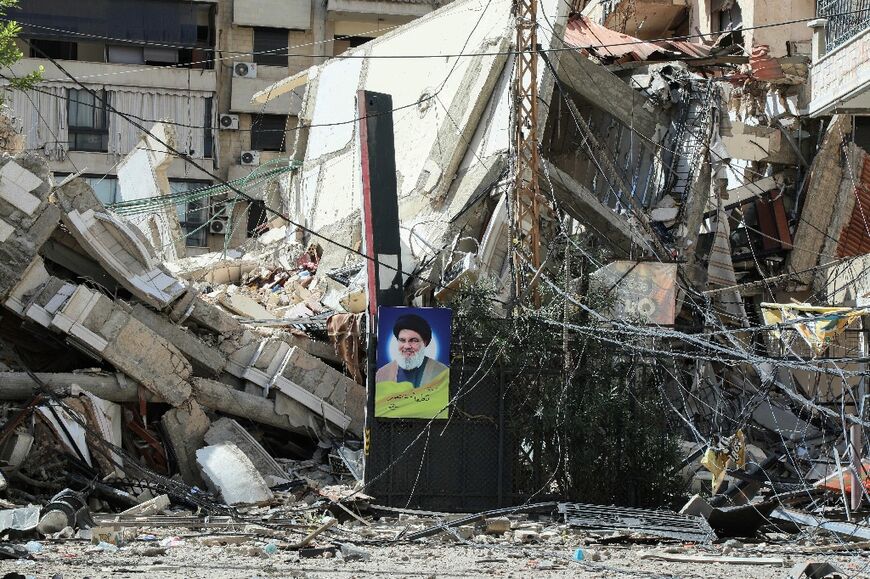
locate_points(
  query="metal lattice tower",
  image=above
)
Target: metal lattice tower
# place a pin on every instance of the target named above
(527, 217)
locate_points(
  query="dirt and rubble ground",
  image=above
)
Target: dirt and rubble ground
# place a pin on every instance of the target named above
(216, 556)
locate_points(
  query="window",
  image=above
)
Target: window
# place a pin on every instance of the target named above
(209, 134)
(267, 132)
(88, 129)
(58, 49)
(192, 215)
(125, 54)
(105, 187)
(270, 46)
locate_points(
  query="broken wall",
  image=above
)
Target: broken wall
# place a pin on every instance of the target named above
(451, 120)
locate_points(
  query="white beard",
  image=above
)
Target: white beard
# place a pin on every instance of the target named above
(412, 362)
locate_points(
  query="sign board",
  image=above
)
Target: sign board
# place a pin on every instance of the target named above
(643, 290)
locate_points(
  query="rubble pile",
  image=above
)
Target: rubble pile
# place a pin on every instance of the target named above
(151, 381)
(156, 406)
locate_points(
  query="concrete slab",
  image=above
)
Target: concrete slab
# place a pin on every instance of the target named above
(229, 473)
(228, 430)
(117, 246)
(245, 306)
(143, 174)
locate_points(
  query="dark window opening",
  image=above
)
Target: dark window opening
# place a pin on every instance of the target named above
(209, 135)
(59, 49)
(862, 132)
(88, 125)
(357, 40)
(270, 46)
(726, 15)
(267, 132)
(257, 218)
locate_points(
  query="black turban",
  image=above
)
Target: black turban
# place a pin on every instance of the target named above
(415, 323)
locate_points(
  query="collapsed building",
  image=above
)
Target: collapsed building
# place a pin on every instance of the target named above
(696, 166)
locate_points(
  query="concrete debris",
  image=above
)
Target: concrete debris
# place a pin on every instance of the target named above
(228, 472)
(693, 187)
(228, 430)
(150, 507)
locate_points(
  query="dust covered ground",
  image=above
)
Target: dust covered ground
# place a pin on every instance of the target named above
(185, 553)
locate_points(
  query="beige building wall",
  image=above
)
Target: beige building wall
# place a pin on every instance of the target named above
(307, 47)
(780, 39)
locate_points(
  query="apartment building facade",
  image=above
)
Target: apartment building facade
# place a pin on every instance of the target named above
(195, 64)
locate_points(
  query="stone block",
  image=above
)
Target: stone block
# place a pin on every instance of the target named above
(245, 307)
(150, 507)
(497, 526)
(525, 536)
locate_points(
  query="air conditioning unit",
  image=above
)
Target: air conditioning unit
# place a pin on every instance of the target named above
(251, 158)
(229, 122)
(245, 70)
(218, 226)
(218, 210)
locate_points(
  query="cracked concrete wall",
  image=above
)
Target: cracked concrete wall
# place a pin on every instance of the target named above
(185, 429)
(451, 115)
(142, 174)
(826, 174)
(27, 219)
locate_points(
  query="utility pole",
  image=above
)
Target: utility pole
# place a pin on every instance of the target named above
(527, 211)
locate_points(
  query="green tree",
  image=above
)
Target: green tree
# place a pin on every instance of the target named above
(9, 51)
(594, 429)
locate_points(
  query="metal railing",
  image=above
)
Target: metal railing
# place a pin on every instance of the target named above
(846, 19)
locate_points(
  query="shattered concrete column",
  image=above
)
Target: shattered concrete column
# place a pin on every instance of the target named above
(20, 386)
(117, 388)
(185, 428)
(205, 360)
(219, 396)
(190, 307)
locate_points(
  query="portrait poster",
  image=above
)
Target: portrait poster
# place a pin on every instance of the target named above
(413, 360)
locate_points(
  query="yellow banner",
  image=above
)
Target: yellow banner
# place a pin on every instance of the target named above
(817, 325)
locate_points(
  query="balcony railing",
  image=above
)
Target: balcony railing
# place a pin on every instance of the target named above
(846, 19)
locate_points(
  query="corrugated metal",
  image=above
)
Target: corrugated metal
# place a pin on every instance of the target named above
(855, 237)
(583, 33)
(610, 45)
(688, 48)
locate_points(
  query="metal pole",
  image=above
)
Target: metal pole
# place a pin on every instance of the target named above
(856, 432)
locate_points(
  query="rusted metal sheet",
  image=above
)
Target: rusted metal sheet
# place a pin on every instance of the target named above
(855, 237)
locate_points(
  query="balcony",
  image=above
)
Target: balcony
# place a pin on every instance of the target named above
(846, 20)
(383, 9)
(121, 75)
(841, 58)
